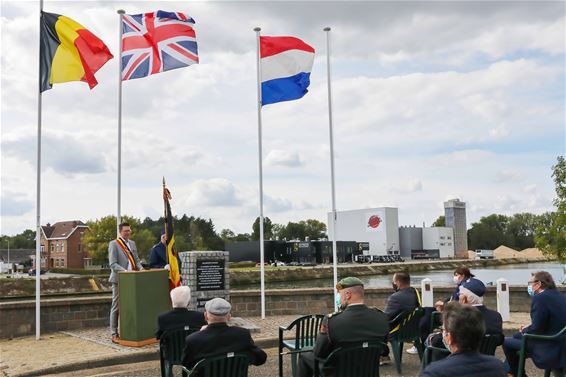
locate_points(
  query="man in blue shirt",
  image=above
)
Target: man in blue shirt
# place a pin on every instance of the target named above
(158, 254)
(548, 317)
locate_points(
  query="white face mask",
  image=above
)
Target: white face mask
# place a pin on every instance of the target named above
(456, 280)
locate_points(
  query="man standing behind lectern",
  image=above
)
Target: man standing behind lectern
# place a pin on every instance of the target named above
(122, 256)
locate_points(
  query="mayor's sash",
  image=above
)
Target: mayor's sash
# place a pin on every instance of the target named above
(127, 251)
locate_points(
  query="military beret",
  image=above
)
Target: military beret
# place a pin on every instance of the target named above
(349, 282)
(475, 286)
(218, 306)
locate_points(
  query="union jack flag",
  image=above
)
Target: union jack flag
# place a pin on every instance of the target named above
(157, 42)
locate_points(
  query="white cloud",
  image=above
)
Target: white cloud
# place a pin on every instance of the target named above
(457, 95)
(286, 158)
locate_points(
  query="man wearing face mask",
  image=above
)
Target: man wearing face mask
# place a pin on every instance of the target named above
(463, 331)
(548, 317)
(471, 293)
(356, 322)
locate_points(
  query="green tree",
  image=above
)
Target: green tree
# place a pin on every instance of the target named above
(440, 221)
(489, 233)
(267, 229)
(550, 235)
(103, 230)
(521, 230)
(314, 229)
(24, 240)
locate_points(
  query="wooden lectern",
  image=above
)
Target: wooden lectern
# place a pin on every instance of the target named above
(143, 295)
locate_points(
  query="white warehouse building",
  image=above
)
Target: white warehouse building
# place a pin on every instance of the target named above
(441, 239)
(377, 226)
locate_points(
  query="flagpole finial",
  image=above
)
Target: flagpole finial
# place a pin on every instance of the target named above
(326, 28)
(257, 28)
(121, 11)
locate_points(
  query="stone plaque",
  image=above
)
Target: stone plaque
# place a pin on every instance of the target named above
(207, 273)
(210, 275)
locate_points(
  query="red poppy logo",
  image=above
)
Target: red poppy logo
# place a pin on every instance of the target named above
(374, 221)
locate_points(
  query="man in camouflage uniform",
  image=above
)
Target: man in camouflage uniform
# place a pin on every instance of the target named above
(355, 322)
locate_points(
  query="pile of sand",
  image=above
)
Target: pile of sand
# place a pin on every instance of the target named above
(503, 252)
(532, 252)
(506, 252)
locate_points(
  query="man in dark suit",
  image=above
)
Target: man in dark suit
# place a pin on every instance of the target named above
(547, 318)
(405, 299)
(158, 254)
(217, 338)
(180, 316)
(355, 323)
(463, 331)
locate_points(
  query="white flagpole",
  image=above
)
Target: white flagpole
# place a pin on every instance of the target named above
(333, 221)
(260, 148)
(121, 12)
(38, 198)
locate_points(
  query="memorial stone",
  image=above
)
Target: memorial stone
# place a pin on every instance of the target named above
(207, 274)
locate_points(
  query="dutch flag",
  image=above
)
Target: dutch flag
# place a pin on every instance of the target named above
(286, 64)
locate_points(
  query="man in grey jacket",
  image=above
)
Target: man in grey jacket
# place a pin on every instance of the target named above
(122, 256)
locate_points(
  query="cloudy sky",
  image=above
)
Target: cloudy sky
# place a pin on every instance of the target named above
(432, 100)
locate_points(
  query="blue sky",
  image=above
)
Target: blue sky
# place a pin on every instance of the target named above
(432, 101)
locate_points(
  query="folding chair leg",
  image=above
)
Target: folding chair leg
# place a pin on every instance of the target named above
(294, 365)
(397, 348)
(280, 364)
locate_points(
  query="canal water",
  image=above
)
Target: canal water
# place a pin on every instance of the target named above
(516, 274)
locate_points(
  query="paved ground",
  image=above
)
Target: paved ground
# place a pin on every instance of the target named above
(411, 368)
(92, 353)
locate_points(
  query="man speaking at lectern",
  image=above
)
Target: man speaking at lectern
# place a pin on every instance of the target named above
(122, 256)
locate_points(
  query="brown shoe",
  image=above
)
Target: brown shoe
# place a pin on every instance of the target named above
(115, 339)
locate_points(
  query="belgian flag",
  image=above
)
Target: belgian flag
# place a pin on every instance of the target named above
(174, 268)
(68, 52)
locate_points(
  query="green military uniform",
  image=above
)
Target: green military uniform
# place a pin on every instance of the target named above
(356, 323)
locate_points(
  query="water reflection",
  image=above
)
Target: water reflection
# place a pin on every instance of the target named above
(516, 274)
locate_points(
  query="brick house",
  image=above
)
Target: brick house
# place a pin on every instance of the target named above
(62, 245)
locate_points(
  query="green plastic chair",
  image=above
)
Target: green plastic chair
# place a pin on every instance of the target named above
(306, 330)
(488, 345)
(171, 346)
(408, 331)
(359, 359)
(229, 365)
(432, 354)
(490, 342)
(548, 338)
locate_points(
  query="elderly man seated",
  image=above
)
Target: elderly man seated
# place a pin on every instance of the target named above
(217, 338)
(180, 316)
(463, 331)
(471, 293)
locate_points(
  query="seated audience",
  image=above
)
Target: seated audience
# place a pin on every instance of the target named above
(405, 299)
(463, 331)
(471, 293)
(180, 316)
(217, 338)
(356, 322)
(460, 276)
(548, 317)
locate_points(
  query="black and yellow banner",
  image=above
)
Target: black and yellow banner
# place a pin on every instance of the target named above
(68, 52)
(174, 272)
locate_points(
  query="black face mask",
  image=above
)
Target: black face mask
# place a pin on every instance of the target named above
(395, 287)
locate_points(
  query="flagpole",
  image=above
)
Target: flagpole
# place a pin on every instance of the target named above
(260, 149)
(38, 198)
(332, 180)
(118, 213)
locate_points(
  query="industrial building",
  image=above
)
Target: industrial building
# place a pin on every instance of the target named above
(377, 226)
(455, 217)
(426, 243)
